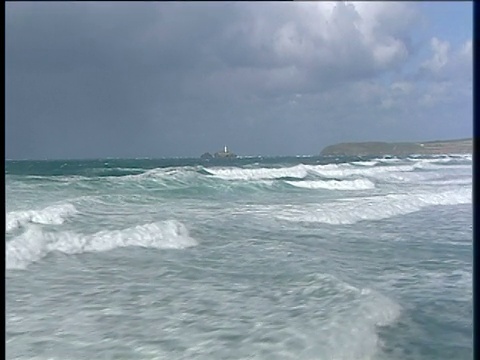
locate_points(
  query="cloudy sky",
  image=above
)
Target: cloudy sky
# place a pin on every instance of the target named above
(153, 79)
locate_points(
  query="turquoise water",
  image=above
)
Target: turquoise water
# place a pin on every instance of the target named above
(254, 258)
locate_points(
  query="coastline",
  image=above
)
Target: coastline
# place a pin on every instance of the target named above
(376, 148)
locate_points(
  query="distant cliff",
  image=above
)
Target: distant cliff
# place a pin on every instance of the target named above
(461, 146)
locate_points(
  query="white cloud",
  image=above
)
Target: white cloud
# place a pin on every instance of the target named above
(446, 77)
(437, 92)
(397, 96)
(384, 26)
(319, 43)
(440, 55)
(463, 61)
(402, 87)
(387, 103)
(466, 50)
(446, 63)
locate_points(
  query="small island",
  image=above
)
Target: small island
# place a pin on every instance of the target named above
(372, 148)
(225, 154)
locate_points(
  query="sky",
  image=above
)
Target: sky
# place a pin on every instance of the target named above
(177, 79)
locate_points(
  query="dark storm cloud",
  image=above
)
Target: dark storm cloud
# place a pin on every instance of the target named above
(92, 78)
(176, 79)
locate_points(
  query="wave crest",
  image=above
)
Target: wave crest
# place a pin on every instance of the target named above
(350, 211)
(35, 243)
(358, 184)
(297, 172)
(51, 215)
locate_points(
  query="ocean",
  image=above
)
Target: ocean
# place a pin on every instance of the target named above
(253, 258)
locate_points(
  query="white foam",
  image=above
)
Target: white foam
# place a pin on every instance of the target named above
(298, 171)
(441, 157)
(184, 175)
(301, 171)
(422, 176)
(157, 175)
(435, 165)
(36, 243)
(451, 182)
(374, 310)
(389, 160)
(347, 170)
(349, 211)
(54, 215)
(58, 179)
(365, 163)
(348, 330)
(407, 177)
(358, 184)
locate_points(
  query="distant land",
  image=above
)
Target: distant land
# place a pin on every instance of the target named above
(459, 146)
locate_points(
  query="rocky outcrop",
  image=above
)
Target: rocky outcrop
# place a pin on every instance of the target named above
(225, 154)
(206, 156)
(462, 146)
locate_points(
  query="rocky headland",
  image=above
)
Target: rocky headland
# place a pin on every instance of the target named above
(372, 148)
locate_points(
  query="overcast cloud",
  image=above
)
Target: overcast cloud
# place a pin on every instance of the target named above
(153, 79)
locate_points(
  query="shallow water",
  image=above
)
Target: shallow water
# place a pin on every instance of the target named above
(284, 258)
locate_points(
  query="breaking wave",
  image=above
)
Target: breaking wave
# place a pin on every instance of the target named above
(35, 243)
(358, 184)
(364, 174)
(54, 215)
(348, 331)
(350, 211)
(297, 172)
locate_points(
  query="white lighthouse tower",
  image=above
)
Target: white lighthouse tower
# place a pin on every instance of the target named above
(225, 150)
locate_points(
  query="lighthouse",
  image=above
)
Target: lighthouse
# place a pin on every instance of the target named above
(225, 154)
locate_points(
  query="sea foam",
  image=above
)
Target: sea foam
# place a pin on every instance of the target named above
(297, 171)
(301, 171)
(36, 243)
(349, 328)
(54, 215)
(358, 184)
(352, 210)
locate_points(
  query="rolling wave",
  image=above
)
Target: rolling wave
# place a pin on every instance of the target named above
(35, 243)
(358, 184)
(199, 179)
(297, 172)
(350, 329)
(353, 210)
(51, 215)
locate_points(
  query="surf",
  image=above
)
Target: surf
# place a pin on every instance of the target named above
(36, 243)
